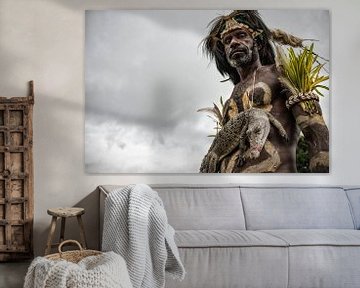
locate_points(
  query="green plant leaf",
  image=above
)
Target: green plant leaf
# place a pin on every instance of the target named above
(322, 86)
(301, 70)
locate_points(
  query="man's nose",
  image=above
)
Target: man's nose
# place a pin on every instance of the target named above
(234, 42)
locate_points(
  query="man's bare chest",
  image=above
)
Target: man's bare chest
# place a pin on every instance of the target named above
(259, 94)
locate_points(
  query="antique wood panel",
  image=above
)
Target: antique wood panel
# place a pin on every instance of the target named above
(16, 177)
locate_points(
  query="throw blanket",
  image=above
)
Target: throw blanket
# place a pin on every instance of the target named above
(103, 271)
(135, 226)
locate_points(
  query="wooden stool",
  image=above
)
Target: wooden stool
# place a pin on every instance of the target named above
(64, 213)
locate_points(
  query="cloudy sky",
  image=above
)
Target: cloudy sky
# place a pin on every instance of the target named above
(145, 77)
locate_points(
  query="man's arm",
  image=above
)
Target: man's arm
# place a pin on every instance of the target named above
(311, 122)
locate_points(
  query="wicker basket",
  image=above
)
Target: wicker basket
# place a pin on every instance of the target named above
(72, 256)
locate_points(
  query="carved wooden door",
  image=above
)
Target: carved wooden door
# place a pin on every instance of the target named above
(16, 177)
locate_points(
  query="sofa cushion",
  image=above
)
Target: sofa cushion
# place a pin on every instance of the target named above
(327, 258)
(191, 207)
(226, 238)
(324, 266)
(220, 267)
(316, 237)
(354, 198)
(296, 208)
(203, 208)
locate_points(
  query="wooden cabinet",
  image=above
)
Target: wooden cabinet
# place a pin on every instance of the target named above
(16, 177)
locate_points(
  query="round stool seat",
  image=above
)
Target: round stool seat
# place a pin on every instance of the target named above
(66, 211)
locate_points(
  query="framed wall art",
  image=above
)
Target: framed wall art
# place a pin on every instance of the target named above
(207, 91)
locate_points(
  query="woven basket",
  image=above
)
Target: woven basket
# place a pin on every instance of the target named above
(72, 256)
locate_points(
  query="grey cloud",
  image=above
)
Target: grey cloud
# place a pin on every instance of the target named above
(114, 139)
(189, 20)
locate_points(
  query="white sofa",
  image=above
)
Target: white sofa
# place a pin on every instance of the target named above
(280, 237)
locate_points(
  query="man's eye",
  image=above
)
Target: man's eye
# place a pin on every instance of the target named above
(227, 40)
(241, 35)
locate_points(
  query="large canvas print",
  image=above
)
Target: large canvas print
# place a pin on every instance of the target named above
(205, 91)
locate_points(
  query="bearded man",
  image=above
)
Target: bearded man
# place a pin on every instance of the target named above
(240, 45)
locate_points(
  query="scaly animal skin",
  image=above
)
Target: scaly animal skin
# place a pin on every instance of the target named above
(252, 125)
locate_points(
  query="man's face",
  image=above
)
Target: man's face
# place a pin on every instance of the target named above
(239, 47)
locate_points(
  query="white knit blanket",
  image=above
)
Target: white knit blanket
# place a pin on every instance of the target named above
(136, 227)
(103, 271)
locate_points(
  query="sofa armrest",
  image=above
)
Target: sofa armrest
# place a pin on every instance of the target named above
(102, 197)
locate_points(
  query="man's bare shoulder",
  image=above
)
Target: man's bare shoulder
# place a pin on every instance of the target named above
(269, 69)
(269, 74)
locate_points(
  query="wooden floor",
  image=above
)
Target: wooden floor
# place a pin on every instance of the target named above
(12, 274)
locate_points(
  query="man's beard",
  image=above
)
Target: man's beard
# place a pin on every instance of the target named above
(241, 59)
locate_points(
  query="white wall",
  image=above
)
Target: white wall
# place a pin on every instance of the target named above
(43, 40)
